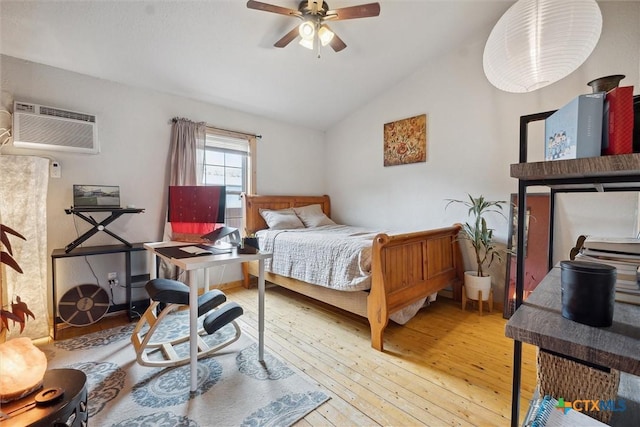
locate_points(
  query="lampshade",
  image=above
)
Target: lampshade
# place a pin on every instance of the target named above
(308, 43)
(307, 30)
(325, 35)
(538, 42)
(22, 368)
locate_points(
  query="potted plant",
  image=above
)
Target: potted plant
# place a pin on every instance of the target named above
(481, 238)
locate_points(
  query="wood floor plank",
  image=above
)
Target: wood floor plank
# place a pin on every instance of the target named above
(441, 360)
(348, 364)
(349, 387)
(444, 367)
(351, 357)
(434, 374)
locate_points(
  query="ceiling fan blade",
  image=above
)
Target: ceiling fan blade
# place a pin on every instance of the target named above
(336, 43)
(288, 38)
(252, 4)
(354, 12)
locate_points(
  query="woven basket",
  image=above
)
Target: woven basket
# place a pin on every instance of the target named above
(561, 377)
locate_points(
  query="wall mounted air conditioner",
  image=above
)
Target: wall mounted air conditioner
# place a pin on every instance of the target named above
(49, 128)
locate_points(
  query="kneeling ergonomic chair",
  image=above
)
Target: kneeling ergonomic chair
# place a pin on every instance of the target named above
(173, 294)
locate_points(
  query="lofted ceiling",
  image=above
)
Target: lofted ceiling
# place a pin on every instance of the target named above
(221, 52)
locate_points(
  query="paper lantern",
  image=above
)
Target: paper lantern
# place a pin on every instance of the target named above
(538, 42)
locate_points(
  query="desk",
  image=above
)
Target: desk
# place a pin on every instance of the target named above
(191, 265)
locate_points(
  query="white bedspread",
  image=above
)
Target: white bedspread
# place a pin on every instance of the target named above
(334, 256)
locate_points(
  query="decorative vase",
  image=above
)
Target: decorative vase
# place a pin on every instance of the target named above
(473, 283)
(605, 84)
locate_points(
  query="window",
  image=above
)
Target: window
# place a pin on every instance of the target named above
(229, 161)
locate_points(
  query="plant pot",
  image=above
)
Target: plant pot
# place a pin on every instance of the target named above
(606, 83)
(473, 284)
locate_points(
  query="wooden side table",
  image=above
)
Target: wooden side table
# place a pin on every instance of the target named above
(69, 410)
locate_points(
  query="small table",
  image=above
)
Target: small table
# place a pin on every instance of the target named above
(203, 262)
(98, 226)
(70, 410)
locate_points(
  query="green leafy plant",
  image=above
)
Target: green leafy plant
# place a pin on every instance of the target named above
(19, 310)
(477, 232)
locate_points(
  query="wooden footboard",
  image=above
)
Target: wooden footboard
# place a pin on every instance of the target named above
(405, 267)
(408, 267)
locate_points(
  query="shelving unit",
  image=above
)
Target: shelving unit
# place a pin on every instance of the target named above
(605, 173)
(100, 250)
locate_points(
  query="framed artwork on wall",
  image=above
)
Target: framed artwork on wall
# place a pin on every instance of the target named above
(405, 141)
(536, 247)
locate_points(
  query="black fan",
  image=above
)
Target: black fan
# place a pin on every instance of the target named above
(314, 15)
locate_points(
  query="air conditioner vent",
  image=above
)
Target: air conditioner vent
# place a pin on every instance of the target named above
(54, 112)
(49, 128)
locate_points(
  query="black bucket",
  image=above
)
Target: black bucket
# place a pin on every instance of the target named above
(588, 292)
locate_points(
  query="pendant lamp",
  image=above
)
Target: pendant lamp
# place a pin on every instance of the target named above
(538, 42)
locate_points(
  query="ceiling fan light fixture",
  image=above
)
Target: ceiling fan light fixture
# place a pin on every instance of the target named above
(313, 14)
(306, 43)
(307, 30)
(325, 35)
(538, 42)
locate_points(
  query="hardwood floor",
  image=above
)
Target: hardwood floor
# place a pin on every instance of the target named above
(444, 367)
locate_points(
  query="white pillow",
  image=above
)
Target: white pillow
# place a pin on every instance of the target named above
(282, 219)
(312, 216)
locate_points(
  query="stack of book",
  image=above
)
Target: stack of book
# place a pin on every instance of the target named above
(621, 253)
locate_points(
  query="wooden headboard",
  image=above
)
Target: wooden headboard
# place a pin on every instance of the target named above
(251, 205)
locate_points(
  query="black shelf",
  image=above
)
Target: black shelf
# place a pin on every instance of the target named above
(134, 308)
(97, 250)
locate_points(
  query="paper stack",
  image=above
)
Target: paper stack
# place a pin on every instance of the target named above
(622, 253)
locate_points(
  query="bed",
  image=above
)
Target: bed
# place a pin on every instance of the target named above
(405, 268)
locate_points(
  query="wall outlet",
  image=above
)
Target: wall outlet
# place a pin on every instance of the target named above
(112, 276)
(55, 170)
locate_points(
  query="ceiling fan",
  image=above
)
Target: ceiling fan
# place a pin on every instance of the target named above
(314, 14)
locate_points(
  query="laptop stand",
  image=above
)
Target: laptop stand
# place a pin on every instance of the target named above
(98, 226)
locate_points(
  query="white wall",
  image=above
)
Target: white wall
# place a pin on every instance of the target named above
(473, 134)
(134, 132)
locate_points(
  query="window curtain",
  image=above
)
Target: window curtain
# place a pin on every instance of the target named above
(186, 165)
(187, 152)
(23, 208)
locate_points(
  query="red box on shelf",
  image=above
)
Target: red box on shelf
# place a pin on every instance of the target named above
(617, 125)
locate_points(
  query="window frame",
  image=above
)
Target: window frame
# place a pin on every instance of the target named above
(249, 178)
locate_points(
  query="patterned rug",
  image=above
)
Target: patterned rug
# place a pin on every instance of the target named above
(234, 389)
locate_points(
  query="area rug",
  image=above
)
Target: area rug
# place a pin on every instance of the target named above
(234, 388)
